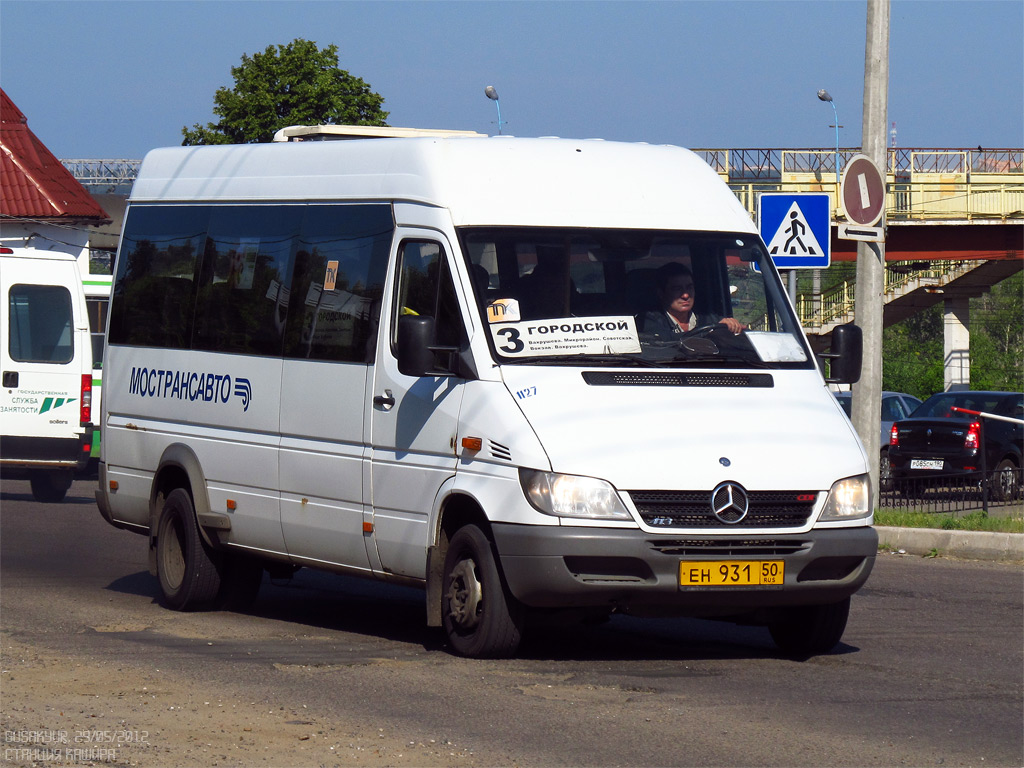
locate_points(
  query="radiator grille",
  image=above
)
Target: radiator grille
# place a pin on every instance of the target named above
(692, 509)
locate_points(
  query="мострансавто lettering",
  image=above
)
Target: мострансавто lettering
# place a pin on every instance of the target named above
(188, 385)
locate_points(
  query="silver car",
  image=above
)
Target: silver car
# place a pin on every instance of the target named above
(895, 406)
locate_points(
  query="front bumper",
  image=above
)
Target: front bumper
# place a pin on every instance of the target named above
(634, 571)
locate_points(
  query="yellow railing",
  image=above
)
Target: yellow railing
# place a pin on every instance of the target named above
(837, 303)
(923, 184)
(938, 200)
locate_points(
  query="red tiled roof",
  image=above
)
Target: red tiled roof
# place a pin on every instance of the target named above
(33, 183)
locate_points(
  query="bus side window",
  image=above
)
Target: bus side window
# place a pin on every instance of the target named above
(154, 296)
(245, 279)
(340, 263)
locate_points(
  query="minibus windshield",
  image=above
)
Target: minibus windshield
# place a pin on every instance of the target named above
(634, 298)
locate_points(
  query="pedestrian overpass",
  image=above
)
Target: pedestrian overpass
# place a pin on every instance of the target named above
(954, 227)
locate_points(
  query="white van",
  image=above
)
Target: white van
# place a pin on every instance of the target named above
(449, 363)
(46, 358)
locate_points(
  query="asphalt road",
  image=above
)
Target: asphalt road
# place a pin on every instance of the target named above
(931, 671)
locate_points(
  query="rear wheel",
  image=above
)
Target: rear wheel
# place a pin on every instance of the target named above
(1005, 483)
(807, 630)
(50, 485)
(479, 616)
(186, 568)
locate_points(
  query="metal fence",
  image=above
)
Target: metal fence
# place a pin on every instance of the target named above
(998, 492)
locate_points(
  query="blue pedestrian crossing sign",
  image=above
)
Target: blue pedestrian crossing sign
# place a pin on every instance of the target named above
(797, 229)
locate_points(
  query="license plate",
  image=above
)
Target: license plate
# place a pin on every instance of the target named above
(731, 573)
(926, 463)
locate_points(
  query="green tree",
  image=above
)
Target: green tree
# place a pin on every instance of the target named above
(997, 337)
(912, 354)
(294, 84)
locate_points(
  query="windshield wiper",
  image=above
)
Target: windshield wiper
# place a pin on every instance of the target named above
(722, 360)
(588, 359)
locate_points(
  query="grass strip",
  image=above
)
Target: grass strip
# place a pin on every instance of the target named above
(973, 521)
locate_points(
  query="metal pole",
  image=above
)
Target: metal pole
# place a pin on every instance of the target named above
(836, 115)
(868, 300)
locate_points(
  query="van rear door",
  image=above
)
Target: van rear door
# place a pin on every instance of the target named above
(43, 356)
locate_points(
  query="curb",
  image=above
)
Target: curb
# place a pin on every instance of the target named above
(971, 545)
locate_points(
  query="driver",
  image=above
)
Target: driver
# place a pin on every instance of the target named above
(676, 297)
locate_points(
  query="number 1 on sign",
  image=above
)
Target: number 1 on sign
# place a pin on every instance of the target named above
(865, 198)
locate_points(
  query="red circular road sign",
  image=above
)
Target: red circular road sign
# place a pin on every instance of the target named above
(862, 191)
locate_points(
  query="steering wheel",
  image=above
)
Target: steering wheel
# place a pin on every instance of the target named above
(702, 330)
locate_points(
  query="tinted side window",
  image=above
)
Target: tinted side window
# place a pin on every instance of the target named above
(153, 298)
(40, 322)
(340, 262)
(891, 409)
(305, 280)
(242, 301)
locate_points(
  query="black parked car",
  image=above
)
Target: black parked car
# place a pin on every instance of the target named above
(938, 445)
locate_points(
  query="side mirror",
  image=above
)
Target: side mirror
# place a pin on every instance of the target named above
(415, 337)
(846, 356)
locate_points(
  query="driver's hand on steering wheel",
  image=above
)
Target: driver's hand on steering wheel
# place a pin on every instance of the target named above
(734, 325)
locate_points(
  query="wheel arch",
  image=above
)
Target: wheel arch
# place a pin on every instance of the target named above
(179, 467)
(455, 509)
(1011, 457)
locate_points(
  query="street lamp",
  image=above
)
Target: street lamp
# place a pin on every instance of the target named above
(492, 94)
(825, 96)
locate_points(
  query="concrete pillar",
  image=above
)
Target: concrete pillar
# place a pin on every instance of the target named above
(956, 338)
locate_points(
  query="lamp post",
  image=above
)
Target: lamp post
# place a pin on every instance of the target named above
(825, 96)
(816, 288)
(492, 94)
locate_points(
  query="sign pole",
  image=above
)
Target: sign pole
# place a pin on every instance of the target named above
(868, 302)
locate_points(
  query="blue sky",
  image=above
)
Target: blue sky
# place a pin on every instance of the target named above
(115, 79)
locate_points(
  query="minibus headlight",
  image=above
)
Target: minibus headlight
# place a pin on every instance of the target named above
(572, 495)
(848, 499)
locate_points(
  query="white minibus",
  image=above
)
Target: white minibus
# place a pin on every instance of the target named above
(45, 404)
(531, 376)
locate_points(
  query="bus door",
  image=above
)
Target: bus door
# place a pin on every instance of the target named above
(414, 420)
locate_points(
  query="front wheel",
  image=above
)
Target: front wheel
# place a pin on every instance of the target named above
(186, 568)
(807, 630)
(480, 617)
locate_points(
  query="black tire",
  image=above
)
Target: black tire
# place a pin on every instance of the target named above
(885, 480)
(807, 630)
(480, 617)
(187, 569)
(1005, 481)
(241, 577)
(50, 485)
